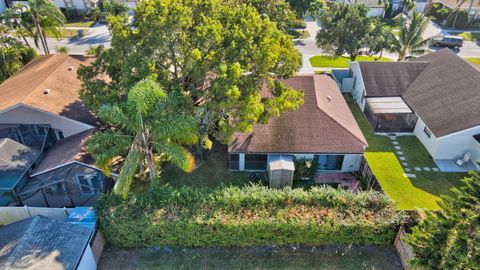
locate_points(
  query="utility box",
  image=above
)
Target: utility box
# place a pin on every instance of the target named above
(280, 171)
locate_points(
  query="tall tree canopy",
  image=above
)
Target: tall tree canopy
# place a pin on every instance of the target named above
(217, 52)
(302, 7)
(346, 29)
(150, 127)
(449, 238)
(279, 11)
(14, 54)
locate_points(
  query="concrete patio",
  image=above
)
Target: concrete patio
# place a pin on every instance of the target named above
(449, 165)
(344, 179)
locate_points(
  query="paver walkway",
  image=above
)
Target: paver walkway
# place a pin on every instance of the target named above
(405, 165)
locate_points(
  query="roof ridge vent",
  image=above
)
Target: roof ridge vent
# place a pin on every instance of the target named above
(46, 91)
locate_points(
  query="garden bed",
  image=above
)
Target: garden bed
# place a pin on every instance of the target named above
(291, 257)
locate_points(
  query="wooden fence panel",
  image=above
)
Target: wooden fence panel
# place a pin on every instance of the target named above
(404, 251)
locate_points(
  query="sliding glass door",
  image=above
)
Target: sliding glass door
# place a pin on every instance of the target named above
(330, 162)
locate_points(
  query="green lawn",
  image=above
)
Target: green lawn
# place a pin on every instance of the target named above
(474, 60)
(410, 193)
(213, 173)
(80, 23)
(65, 33)
(467, 36)
(342, 62)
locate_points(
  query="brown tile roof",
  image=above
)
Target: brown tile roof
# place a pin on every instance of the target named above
(49, 72)
(445, 95)
(317, 126)
(65, 151)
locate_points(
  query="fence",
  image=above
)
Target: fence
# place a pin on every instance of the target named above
(404, 251)
(367, 173)
(12, 214)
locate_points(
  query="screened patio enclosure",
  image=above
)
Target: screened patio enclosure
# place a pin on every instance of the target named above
(389, 115)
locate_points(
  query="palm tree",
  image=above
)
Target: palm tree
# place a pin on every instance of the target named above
(457, 10)
(35, 19)
(149, 129)
(410, 41)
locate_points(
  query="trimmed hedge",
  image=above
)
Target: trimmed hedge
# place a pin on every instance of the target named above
(248, 216)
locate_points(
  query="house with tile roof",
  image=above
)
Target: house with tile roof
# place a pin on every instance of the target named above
(435, 97)
(44, 128)
(322, 129)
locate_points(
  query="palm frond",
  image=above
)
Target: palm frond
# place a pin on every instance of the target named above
(181, 129)
(129, 168)
(104, 146)
(176, 154)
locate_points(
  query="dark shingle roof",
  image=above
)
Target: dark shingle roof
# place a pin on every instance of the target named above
(389, 78)
(42, 243)
(317, 126)
(445, 94)
(70, 149)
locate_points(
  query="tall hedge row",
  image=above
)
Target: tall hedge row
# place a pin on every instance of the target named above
(248, 216)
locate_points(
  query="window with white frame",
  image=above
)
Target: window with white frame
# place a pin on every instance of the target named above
(88, 183)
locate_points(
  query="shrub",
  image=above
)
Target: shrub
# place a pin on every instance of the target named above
(303, 168)
(248, 216)
(462, 20)
(439, 11)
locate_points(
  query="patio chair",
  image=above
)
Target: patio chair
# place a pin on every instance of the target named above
(464, 160)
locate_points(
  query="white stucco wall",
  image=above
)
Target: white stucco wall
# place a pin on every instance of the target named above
(375, 12)
(359, 85)
(26, 115)
(452, 146)
(88, 260)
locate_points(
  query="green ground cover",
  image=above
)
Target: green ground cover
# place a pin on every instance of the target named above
(80, 23)
(425, 190)
(292, 258)
(474, 60)
(467, 36)
(342, 62)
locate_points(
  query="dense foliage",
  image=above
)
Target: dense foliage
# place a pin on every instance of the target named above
(14, 54)
(458, 19)
(248, 216)
(439, 11)
(219, 53)
(449, 239)
(151, 127)
(346, 30)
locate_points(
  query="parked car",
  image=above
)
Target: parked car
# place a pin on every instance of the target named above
(448, 41)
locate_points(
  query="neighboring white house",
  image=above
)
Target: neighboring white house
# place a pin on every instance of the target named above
(377, 8)
(323, 127)
(435, 97)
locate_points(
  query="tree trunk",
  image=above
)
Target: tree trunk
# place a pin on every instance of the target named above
(380, 56)
(455, 19)
(26, 41)
(147, 148)
(200, 151)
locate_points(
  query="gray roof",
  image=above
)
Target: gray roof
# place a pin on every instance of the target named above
(15, 156)
(42, 243)
(445, 93)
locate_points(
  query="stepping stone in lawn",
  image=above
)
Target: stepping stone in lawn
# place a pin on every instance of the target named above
(405, 164)
(418, 169)
(395, 142)
(402, 158)
(400, 153)
(435, 169)
(407, 169)
(427, 169)
(410, 175)
(397, 147)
